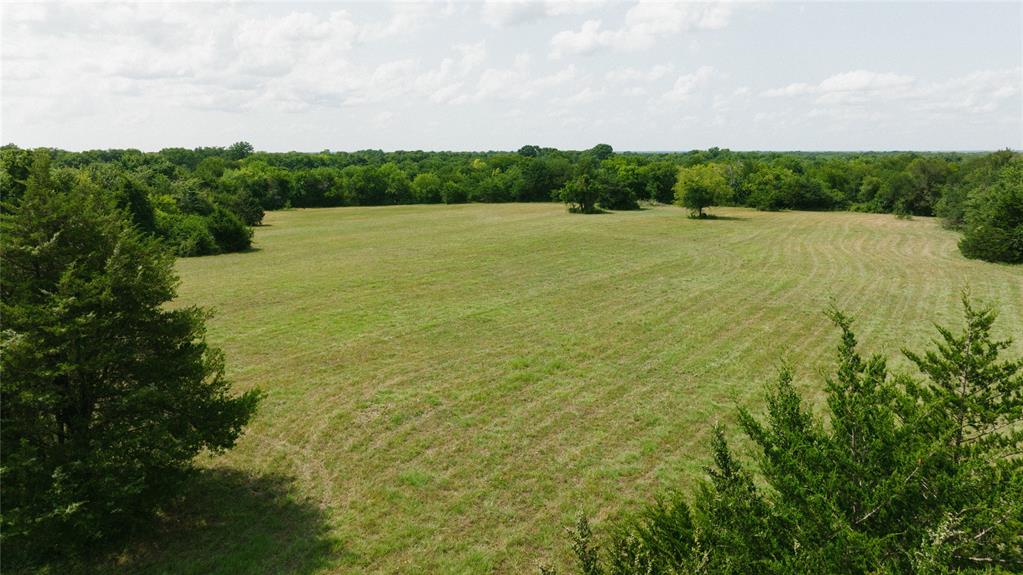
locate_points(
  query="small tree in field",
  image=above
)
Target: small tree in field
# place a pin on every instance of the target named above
(580, 194)
(107, 394)
(701, 186)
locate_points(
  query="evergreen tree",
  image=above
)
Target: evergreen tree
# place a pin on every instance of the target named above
(107, 395)
(905, 475)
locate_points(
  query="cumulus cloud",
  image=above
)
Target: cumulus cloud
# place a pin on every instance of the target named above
(687, 84)
(645, 23)
(637, 75)
(118, 74)
(975, 93)
(978, 92)
(446, 83)
(208, 57)
(507, 13)
(849, 87)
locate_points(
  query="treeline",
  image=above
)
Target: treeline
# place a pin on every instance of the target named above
(200, 200)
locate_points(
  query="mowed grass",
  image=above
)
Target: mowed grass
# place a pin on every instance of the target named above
(448, 387)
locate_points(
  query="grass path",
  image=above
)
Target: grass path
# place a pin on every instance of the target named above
(449, 386)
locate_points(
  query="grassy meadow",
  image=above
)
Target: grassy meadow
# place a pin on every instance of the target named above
(448, 387)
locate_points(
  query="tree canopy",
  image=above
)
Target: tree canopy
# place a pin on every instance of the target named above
(172, 193)
(107, 394)
(701, 186)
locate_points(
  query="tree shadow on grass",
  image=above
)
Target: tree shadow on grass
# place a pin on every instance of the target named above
(711, 217)
(230, 522)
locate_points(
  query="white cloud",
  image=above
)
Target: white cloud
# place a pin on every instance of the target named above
(319, 75)
(645, 23)
(507, 13)
(978, 92)
(587, 95)
(446, 83)
(587, 39)
(975, 93)
(687, 84)
(634, 75)
(854, 84)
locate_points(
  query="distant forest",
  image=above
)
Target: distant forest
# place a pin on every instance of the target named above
(204, 200)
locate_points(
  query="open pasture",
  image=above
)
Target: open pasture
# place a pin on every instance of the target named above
(449, 386)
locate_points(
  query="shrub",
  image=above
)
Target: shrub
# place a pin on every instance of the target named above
(228, 231)
(906, 476)
(186, 234)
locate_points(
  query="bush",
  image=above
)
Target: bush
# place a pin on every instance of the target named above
(186, 234)
(228, 231)
(612, 192)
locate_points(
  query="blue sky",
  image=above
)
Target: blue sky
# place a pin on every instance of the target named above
(497, 75)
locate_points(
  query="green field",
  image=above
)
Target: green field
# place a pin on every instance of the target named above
(449, 386)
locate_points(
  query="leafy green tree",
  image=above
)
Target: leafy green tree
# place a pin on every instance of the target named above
(905, 475)
(453, 193)
(427, 188)
(239, 151)
(210, 170)
(928, 176)
(396, 183)
(243, 205)
(659, 180)
(580, 194)
(529, 151)
(701, 186)
(601, 152)
(870, 188)
(314, 187)
(994, 219)
(616, 186)
(107, 394)
(15, 163)
(769, 187)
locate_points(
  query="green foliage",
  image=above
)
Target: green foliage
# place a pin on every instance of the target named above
(580, 194)
(905, 475)
(107, 395)
(993, 229)
(239, 150)
(701, 186)
(427, 188)
(769, 187)
(614, 190)
(660, 181)
(601, 152)
(228, 231)
(247, 182)
(186, 234)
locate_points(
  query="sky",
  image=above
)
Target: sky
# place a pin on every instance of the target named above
(488, 75)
